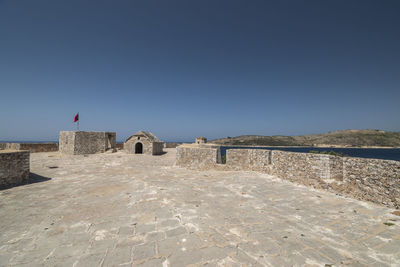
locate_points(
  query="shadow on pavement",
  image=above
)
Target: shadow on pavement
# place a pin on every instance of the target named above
(33, 179)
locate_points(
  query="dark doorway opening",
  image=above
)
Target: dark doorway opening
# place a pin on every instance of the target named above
(138, 148)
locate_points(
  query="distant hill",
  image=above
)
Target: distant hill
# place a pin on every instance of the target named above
(346, 138)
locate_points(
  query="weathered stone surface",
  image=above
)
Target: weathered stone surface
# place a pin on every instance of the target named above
(144, 142)
(119, 209)
(14, 167)
(80, 142)
(198, 157)
(31, 147)
(201, 140)
(249, 160)
(373, 180)
(171, 144)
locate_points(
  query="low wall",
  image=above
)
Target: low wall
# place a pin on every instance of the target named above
(305, 168)
(119, 146)
(171, 145)
(248, 160)
(197, 157)
(373, 180)
(31, 147)
(14, 167)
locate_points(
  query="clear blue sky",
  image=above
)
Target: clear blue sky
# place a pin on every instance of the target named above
(187, 68)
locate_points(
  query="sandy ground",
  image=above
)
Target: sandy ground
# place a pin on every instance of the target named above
(138, 210)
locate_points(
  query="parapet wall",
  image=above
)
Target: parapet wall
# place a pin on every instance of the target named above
(14, 167)
(248, 160)
(119, 146)
(31, 147)
(171, 145)
(305, 168)
(198, 157)
(373, 180)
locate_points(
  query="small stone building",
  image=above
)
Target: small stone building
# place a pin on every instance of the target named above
(144, 143)
(14, 167)
(80, 142)
(201, 140)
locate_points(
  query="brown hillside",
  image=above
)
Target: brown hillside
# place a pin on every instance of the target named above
(346, 138)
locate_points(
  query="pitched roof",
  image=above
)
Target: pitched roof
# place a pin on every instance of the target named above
(148, 135)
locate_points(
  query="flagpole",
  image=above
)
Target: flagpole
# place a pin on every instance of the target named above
(78, 121)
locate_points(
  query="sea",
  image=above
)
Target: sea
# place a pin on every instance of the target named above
(373, 153)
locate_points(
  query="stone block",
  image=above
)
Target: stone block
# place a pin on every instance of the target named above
(80, 142)
(14, 167)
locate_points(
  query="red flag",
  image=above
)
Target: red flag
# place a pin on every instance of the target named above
(76, 117)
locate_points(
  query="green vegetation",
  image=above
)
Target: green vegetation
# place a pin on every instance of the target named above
(264, 141)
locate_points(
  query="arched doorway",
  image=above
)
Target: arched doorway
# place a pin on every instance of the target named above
(139, 148)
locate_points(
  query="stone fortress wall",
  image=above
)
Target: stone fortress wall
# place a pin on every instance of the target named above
(80, 142)
(373, 180)
(14, 167)
(171, 144)
(31, 147)
(200, 157)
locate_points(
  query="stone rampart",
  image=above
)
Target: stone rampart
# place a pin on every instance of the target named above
(248, 160)
(171, 145)
(89, 142)
(119, 146)
(373, 180)
(198, 157)
(14, 167)
(81, 142)
(305, 168)
(31, 147)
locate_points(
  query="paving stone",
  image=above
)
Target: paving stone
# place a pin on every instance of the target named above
(151, 263)
(126, 230)
(144, 251)
(391, 247)
(118, 256)
(184, 258)
(177, 231)
(143, 229)
(170, 223)
(90, 260)
(167, 246)
(101, 246)
(154, 236)
(110, 208)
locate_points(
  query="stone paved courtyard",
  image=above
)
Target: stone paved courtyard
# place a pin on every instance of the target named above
(138, 210)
